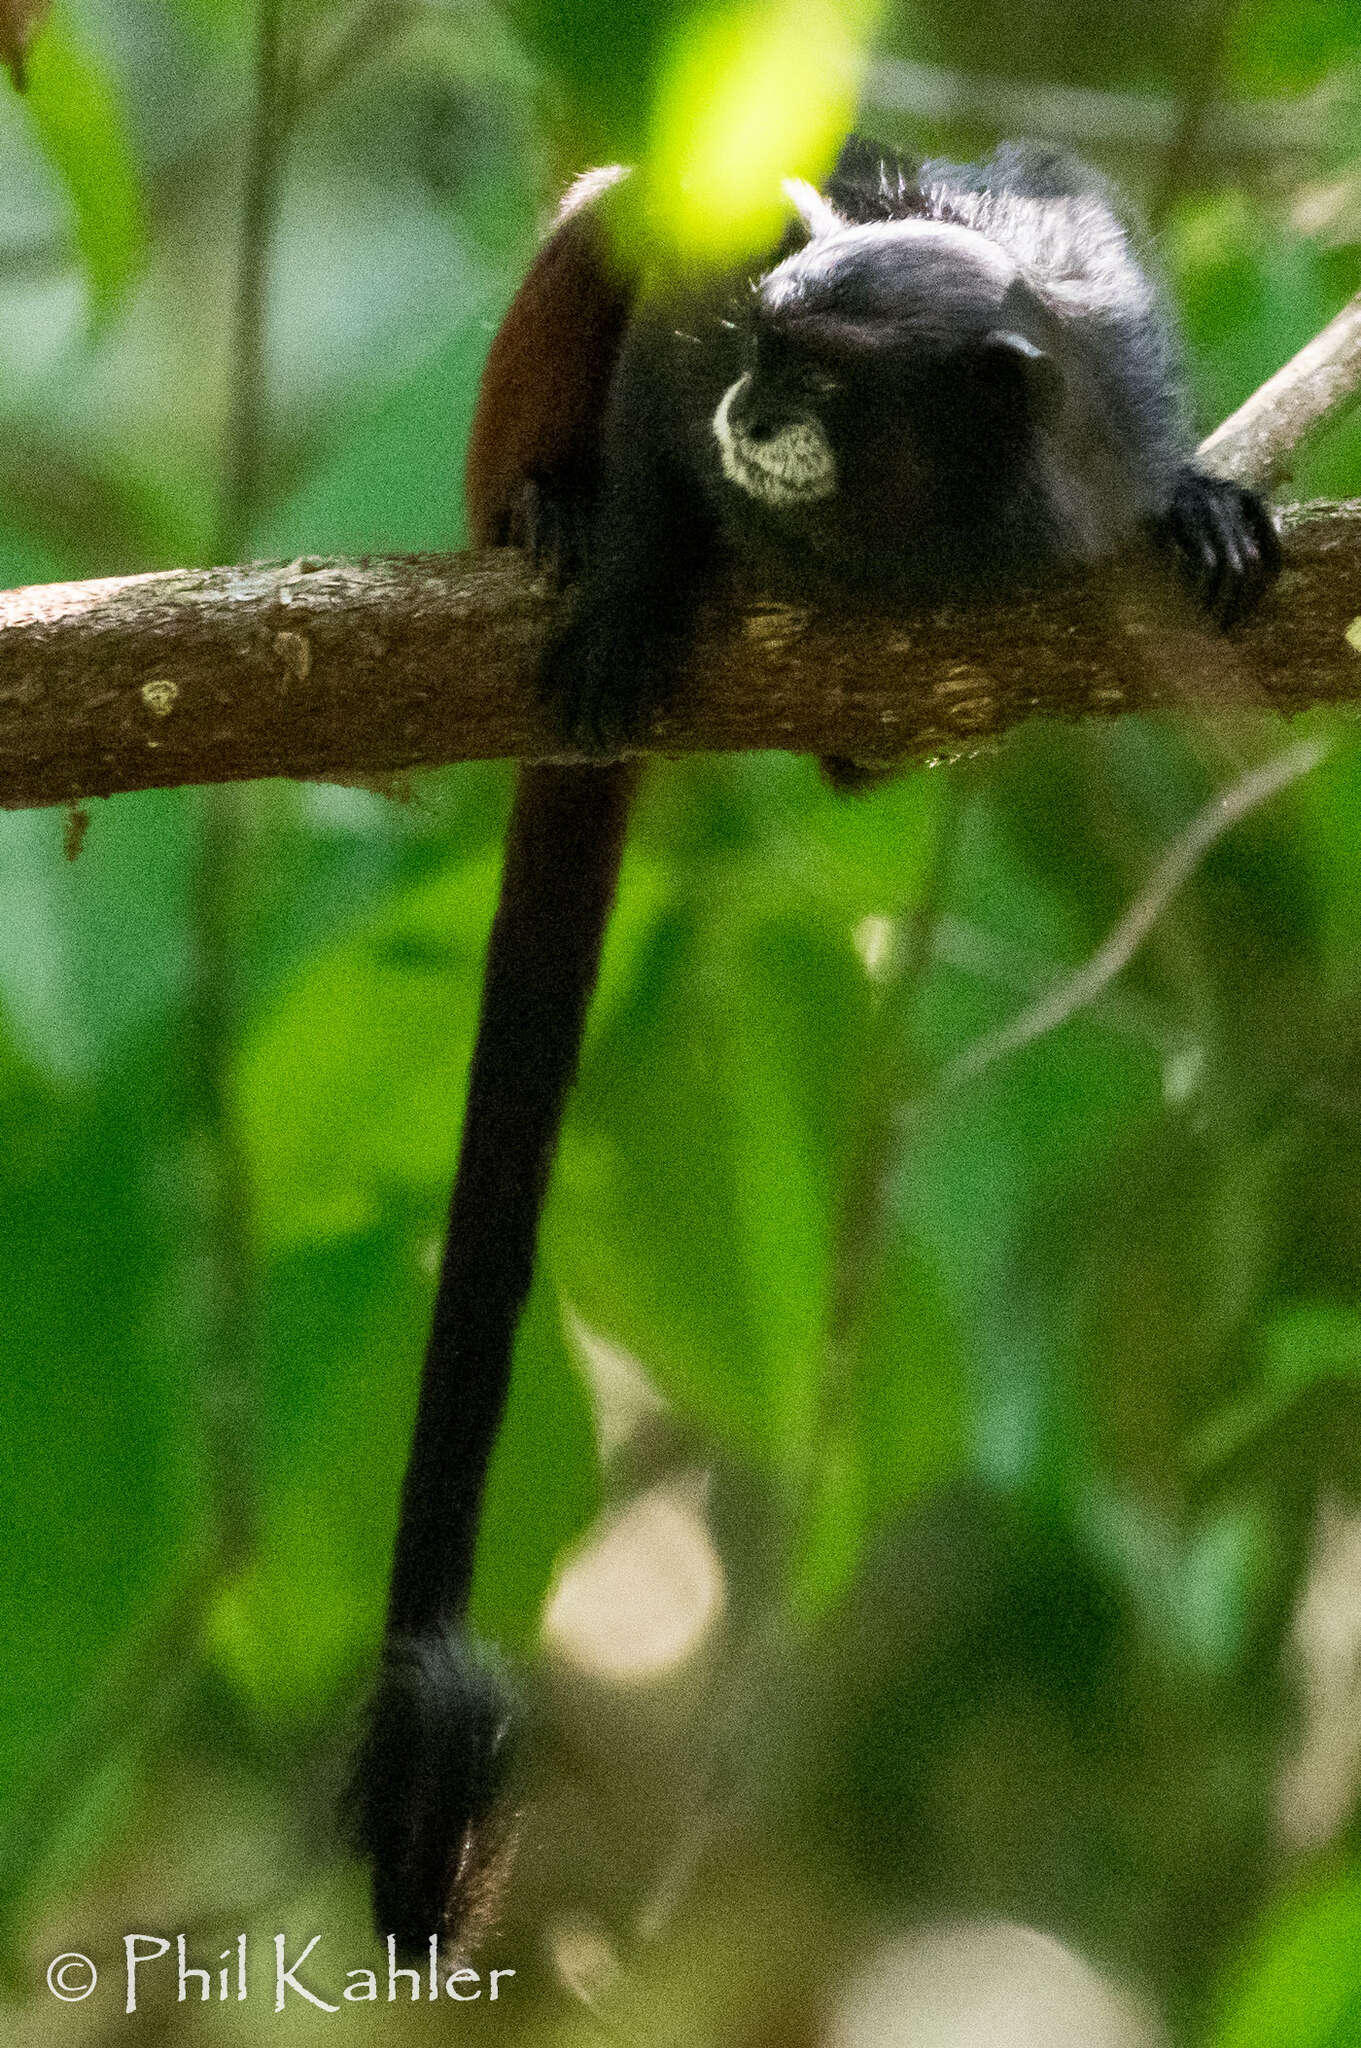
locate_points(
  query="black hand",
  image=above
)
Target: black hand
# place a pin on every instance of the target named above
(1227, 542)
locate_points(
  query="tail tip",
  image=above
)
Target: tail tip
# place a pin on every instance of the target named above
(426, 1804)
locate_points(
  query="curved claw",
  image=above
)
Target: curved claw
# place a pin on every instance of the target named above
(1227, 542)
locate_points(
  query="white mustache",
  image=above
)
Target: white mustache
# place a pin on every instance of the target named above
(794, 465)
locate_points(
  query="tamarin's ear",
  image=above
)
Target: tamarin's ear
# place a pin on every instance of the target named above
(818, 215)
(1029, 368)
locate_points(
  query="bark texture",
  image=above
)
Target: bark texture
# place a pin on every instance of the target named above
(347, 671)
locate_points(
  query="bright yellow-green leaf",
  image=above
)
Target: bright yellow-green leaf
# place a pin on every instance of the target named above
(753, 94)
(1299, 1985)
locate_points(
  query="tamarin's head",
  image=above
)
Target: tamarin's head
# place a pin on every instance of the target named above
(889, 368)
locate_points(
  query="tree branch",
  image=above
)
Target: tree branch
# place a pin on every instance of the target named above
(1075, 991)
(1261, 442)
(347, 671)
(1089, 118)
(343, 671)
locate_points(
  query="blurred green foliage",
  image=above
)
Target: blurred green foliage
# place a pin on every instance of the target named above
(1018, 1401)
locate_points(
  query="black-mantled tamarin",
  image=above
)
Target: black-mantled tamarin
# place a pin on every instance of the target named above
(948, 380)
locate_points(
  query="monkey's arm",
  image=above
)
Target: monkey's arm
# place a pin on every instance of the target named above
(652, 543)
(1225, 539)
(1220, 532)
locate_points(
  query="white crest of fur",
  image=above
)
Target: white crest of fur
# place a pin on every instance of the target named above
(1073, 250)
(587, 188)
(818, 215)
(982, 253)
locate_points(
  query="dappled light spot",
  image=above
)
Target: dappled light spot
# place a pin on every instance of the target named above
(623, 1396)
(645, 1592)
(874, 944)
(1317, 1789)
(985, 1982)
(585, 1960)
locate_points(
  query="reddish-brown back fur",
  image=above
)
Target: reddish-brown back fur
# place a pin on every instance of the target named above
(541, 406)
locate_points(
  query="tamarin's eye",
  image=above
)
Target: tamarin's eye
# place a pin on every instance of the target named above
(779, 362)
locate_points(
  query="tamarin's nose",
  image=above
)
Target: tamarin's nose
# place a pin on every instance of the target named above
(758, 419)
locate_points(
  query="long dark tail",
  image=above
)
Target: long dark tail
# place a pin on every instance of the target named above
(426, 1785)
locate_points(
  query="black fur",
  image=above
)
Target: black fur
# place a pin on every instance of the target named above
(427, 1800)
(1002, 404)
(436, 1752)
(1228, 545)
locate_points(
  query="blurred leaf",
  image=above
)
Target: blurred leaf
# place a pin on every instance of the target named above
(1018, 1146)
(1195, 1588)
(390, 476)
(350, 1085)
(691, 1222)
(1251, 291)
(1299, 1986)
(89, 954)
(345, 1328)
(25, 558)
(80, 129)
(1279, 46)
(894, 1407)
(1302, 1344)
(912, 1409)
(350, 1082)
(102, 1501)
(1312, 1340)
(71, 517)
(1176, 1241)
(847, 859)
(597, 62)
(1138, 44)
(753, 93)
(1325, 812)
(899, 1422)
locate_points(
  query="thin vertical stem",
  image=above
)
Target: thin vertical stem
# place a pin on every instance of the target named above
(230, 1337)
(245, 435)
(1202, 85)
